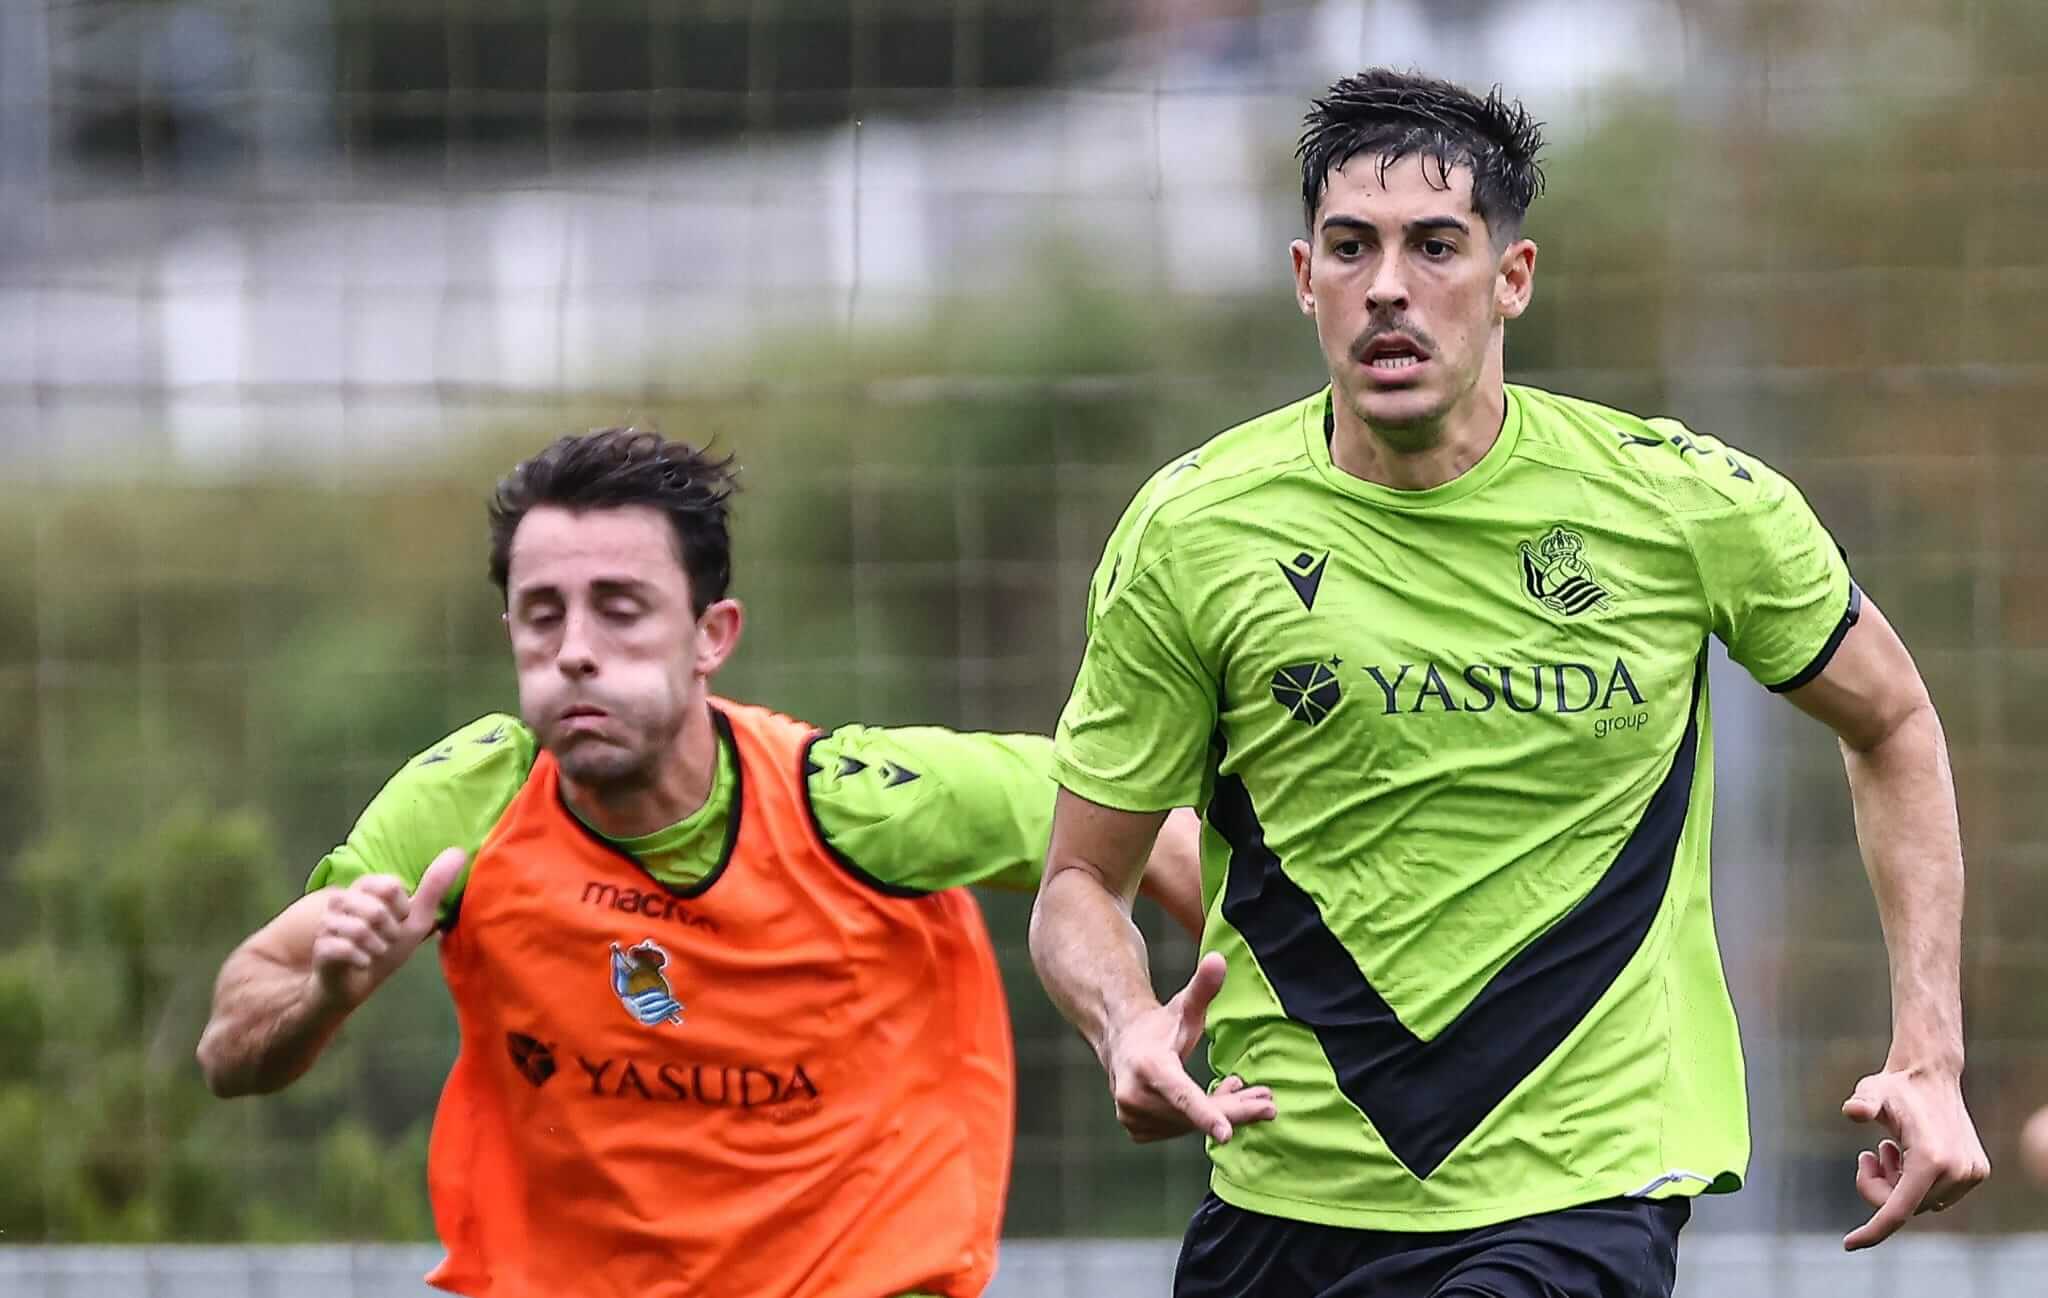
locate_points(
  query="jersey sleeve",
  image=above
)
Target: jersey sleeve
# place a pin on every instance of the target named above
(1136, 731)
(1777, 585)
(448, 796)
(918, 808)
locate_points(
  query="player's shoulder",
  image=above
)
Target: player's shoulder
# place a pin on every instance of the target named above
(777, 727)
(1657, 459)
(1198, 487)
(496, 745)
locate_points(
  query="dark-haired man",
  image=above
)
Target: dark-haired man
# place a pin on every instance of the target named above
(1430, 651)
(730, 1023)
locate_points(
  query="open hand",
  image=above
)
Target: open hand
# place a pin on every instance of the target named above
(1147, 1065)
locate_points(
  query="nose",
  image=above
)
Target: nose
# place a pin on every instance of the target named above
(576, 658)
(1388, 290)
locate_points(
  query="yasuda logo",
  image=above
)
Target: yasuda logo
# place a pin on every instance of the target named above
(1309, 691)
(534, 1058)
(1563, 688)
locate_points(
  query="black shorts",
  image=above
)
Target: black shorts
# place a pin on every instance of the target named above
(1617, 1248)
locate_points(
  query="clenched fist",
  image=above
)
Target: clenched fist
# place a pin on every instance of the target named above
(374, 925)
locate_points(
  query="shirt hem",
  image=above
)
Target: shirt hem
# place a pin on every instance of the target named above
(1347, 1217)
(1828, 649)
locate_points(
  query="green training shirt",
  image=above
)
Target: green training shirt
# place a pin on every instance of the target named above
(913, 807)
(1454, 752)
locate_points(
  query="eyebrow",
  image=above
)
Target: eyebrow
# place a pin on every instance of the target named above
(1418, 226)
(601, 588)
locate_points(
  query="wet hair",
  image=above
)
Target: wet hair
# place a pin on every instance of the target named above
(612, 468)
(1393, 115)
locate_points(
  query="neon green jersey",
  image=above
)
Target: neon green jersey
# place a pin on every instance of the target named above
(1454, 752)
(914, 807)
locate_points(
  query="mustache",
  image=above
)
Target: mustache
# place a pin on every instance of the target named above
(1379, 327)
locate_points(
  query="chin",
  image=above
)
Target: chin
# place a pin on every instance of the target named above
(1418, 410)
(593, 762)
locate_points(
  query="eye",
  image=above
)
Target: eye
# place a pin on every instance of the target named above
(543, 618)
(1348, 248)
(1436, 249)
(619, 610)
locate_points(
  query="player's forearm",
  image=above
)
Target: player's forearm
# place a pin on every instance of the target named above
(270, 1021)
(1912, 848)
(1089, 954)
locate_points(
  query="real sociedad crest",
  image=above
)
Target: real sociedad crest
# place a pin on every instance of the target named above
(1555, 574)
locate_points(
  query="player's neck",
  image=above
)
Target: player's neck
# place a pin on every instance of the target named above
(681, 785)
(1468, 431)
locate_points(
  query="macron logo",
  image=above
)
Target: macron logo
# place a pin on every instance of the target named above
(1305, 574)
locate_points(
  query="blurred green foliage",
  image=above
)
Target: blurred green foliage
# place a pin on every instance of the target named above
(207, 682)
(201, 684)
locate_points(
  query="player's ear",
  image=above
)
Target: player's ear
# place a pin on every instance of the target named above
(1304, 296)
(718, 634)
(1515, 282)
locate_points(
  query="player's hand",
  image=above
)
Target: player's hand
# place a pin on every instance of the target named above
(1932, 1158)
(2034, 1147)
(373, 926)
(1148, 1076)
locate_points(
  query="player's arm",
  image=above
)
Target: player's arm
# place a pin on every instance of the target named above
(283, 992)
(1872, 696)
(923, 808)
(2034, 1146)
(1173, 870)
(369, 905)
(1133, 742)
(1093, 962)
(1781, 598)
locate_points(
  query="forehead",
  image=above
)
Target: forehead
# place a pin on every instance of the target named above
(1412, 187)
(557, 546)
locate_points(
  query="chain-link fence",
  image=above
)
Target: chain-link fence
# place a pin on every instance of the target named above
(283, 287)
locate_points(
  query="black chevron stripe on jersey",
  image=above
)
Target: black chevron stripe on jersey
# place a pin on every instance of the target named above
(1425, 1097)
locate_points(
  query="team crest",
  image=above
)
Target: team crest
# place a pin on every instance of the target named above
(641, 985)
(1555, 574)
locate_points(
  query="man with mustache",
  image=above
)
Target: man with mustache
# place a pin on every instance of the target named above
(1429, 649)
(730, 1021)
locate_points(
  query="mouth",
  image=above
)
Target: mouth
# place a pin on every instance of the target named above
(1392, 355)
(583, 712)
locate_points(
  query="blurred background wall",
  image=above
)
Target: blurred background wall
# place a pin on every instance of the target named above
(284, 287)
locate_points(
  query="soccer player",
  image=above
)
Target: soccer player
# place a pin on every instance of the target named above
(729, 1022)
(1430, 651)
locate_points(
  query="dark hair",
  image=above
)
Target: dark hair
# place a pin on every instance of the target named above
(1392, 115)
(612, 468)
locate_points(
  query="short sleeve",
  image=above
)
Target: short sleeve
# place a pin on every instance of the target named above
(918, 808)
(1777, 585)
(451, 795)
(1136, 731)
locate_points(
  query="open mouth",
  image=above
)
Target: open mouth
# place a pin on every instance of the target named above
(1393, 353)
